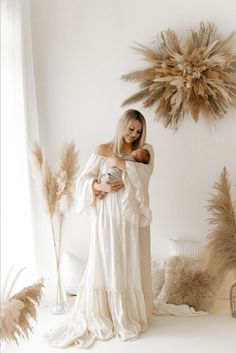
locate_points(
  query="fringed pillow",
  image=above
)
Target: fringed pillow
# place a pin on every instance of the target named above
(188, 282)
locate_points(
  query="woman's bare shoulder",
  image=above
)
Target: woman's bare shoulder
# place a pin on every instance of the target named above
(104, 149)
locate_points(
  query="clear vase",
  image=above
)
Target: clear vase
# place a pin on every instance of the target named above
(61, 305)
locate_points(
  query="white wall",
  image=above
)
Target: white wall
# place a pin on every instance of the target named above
(81, 48)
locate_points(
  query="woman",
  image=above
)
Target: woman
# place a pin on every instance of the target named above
(114, 296)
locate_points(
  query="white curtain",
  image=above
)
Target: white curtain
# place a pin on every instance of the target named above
(19, 125)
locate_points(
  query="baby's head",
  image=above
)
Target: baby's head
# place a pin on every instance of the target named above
(141, 155)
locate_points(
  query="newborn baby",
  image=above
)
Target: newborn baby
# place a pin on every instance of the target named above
(140, 155)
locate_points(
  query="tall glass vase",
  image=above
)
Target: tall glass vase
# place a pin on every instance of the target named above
(61, 305)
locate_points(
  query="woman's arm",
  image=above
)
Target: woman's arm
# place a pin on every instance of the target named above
(109, 185)
(84, 189)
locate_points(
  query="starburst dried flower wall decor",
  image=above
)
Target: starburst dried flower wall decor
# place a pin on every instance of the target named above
(193, 76)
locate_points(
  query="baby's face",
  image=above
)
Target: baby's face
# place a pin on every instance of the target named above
(137, 154)
(141, 155)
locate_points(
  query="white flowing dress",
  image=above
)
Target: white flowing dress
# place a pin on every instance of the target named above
(115, 294)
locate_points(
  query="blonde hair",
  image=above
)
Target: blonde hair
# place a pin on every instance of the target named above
(125, 121)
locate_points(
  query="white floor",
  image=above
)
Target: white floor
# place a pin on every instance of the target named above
(213, 333)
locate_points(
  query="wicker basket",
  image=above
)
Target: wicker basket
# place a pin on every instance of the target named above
(233, 300)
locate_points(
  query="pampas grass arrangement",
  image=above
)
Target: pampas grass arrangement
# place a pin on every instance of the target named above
(57, 190)
(195, 76)
(18, 310)
(221, 245)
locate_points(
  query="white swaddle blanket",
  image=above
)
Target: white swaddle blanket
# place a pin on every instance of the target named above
(162, 308)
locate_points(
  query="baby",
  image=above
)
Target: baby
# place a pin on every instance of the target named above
(140, 155)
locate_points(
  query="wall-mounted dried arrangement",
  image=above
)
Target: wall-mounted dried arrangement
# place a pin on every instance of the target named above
(193, 76)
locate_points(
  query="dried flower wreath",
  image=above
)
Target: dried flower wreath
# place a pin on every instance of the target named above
(193, 77)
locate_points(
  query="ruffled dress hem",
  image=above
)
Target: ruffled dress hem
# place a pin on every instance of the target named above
(100, 314)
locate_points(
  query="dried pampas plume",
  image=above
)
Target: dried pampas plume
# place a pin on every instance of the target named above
(197, 76)
(67, 168)
(56, 184)
(18, 310)
(221, 246)
(57, 190)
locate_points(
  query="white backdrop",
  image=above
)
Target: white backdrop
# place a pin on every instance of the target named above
(81, 48)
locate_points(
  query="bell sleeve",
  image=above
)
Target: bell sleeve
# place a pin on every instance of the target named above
(136, 196)
(85, 201)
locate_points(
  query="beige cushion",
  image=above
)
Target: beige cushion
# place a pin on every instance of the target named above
(188, 282)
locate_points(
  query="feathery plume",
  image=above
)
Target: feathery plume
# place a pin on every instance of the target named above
(57, 189)
(66, 171)
(221, 246)
(197, 76)
(17, 311)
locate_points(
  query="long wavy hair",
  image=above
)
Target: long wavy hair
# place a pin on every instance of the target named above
(125, 121)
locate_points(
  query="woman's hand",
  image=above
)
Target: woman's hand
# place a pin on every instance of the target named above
(116, 185)
(108, 186)
(99, 195)
(111, 186)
